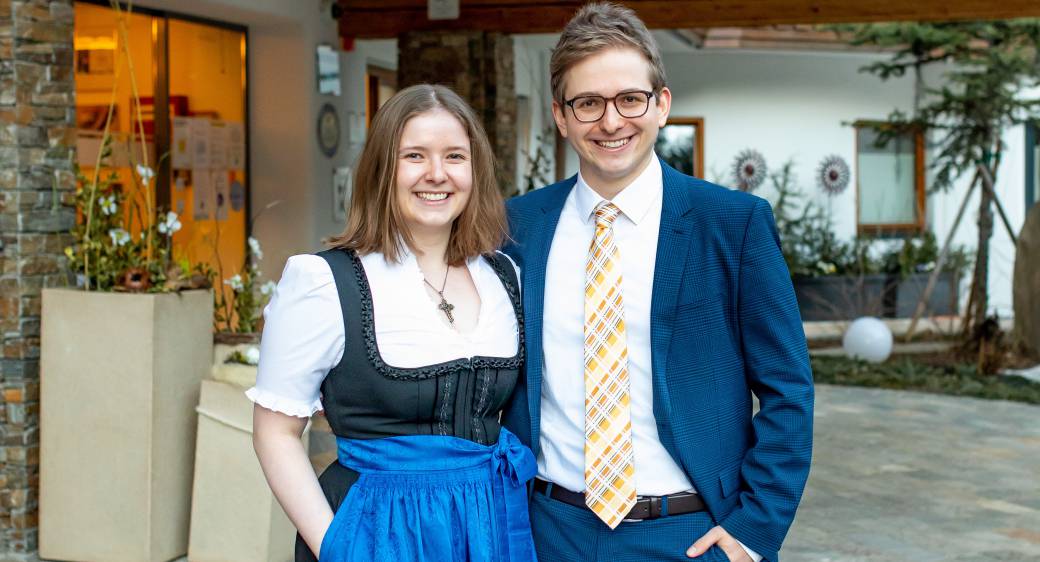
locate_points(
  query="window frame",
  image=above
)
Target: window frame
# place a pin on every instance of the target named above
(917, 226)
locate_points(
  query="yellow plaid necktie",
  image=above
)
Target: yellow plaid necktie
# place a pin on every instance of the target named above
(610, 490)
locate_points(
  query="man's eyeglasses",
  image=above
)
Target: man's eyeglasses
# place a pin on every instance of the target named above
(630, 104)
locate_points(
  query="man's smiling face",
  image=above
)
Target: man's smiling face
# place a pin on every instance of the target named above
(615, 149)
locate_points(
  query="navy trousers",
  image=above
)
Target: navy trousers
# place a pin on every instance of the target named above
(566, 533)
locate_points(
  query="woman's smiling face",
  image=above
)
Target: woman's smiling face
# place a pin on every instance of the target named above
(434, 172)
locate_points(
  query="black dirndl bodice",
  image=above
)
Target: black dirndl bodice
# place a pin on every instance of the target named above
(366, 398)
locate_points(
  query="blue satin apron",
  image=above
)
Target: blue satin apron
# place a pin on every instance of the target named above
(433, 498)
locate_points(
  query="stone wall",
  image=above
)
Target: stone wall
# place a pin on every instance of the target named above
(477, 65)
(37, 144)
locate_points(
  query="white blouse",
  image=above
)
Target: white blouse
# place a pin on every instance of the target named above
(303, 336)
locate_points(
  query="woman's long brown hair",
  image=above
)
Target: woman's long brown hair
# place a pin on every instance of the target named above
(374, 222)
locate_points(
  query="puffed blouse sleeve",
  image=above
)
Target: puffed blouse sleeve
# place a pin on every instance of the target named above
(303, 338)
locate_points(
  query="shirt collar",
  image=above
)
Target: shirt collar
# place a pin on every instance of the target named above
(634, 200)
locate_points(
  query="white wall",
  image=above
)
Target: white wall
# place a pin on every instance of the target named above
(351, 105)
(799, 106)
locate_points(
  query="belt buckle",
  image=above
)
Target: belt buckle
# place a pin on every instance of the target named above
(653, 509)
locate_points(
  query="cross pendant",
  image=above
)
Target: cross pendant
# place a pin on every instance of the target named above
(447, 307)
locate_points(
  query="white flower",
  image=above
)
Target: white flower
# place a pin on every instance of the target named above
(252, 355)
(108, 204)
(119, 236)
(145, 172)
(826, 267)
(254, 248)
(170, 224)
(235, 283)
(267, 289)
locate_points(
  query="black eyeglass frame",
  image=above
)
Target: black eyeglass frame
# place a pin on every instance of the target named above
(648, 93)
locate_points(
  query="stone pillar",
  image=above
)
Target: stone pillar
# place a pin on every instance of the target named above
(477, 65)
(37, 146)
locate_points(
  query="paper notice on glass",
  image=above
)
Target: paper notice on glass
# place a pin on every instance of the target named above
(200, 141)
(236, 146)
(218, 145)
(180, 153)
(221, 189)
(203, 194)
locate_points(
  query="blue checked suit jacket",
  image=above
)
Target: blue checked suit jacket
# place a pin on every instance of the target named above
(724, 323)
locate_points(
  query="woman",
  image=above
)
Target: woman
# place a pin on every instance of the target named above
(409, 331)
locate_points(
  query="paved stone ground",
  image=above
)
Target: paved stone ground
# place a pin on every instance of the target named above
(904, 476)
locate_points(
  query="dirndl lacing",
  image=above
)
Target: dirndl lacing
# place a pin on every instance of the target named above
(433, 498)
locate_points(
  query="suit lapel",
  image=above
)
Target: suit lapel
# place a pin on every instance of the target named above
(536, 256)
(673, 246)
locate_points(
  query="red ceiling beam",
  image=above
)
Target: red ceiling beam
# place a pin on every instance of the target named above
(390, 18)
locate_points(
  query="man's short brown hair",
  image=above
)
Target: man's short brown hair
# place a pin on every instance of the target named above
(599, 26)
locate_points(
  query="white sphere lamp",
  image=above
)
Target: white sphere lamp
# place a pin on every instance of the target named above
(869, 339)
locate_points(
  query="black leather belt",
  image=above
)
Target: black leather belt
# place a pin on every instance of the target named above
(647, 507)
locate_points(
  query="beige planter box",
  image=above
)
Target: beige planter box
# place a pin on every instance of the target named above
(234, 515)
(120, 379)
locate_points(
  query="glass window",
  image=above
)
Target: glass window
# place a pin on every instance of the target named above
(98, 54)
(190, 78)
(890, 181)
(207, 84)
(681, 144)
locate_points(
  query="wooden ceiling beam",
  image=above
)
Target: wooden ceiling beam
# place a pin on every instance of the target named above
(365, 19)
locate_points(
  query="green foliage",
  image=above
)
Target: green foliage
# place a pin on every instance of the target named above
(116, 247)
(987, 67)
(919, 254)
(811, 248)
(240, 309)
(904, 373)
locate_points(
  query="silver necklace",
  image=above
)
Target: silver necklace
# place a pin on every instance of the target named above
(445, 306)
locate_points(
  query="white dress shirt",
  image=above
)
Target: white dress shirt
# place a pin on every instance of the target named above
(562, 456)
(304, 338)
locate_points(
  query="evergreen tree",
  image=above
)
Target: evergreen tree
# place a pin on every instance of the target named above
(987, 66)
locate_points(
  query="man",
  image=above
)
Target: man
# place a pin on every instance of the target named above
(656, 304)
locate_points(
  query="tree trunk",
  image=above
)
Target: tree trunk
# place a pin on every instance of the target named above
(980, 280)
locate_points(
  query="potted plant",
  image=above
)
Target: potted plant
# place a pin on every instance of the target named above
(838, 280)
(238, 319)
(122, 355)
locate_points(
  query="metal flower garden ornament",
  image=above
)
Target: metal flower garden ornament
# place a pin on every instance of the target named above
(833, 175)
(749, 169)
